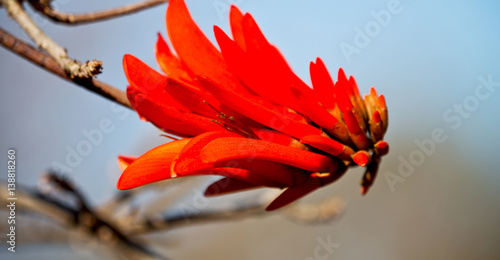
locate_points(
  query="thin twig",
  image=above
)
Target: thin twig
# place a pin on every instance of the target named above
(169, 222)
(77, 218)
(75, 19)
(43, 60)
(74, 68)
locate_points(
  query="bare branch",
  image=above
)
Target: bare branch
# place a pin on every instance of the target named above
(74, 68)
(319, 212)
(75, 19)
(43, 60)
(78, 218)
(168, 222)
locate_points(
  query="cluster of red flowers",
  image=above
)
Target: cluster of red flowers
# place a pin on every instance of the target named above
(244, 114)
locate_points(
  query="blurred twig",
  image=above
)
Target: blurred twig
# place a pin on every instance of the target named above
(46, 9)
(73, 68)
(43, 60)
(150, 225)
(79, 218)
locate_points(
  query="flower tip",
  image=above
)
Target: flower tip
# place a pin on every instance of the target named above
(125, 183)
(381, 102)
(364, 190)
(341, 75)
(376, 117)
(382, 147)
(125, 161)
(361, 158)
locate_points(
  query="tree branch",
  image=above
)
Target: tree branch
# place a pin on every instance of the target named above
(77, 218)
(150, 225)
(43, 60)
(75, 19)
(74, 68)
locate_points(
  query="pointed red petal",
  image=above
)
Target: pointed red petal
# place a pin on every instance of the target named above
(341, 96)
(193, 98)
(141, 76)
(195, 50)
(173, 120)
(322, 83)
(169, 63)
(358, 136)
(351, 122)
(228, 185)
(190, 162)
(296, 192)
(189, 158)
(277, 82)
(147, 81)
(328, 145)
(152, 166)
(240, 174)
(362, 158)
(231, 148)
(376, 117)
(236, 18)
(259, 111)
(354, 86)
(125, 161)
(272, 136)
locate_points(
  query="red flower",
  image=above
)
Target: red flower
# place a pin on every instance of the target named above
(276, 130)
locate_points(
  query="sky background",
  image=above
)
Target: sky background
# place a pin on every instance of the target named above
(428, 59)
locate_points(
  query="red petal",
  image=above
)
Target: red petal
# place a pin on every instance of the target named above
(240, 174)
(236, 18)
(147, 81)
(341, 97)
(152, 166)
(125, 161)
(141, 76)
(276, 82)
(324, 144)
(294, 193)
(376, 117)
(228, 185)
(358, 136)
(170, 64)
(362, 158)
(189, 158)
(190, 162)
(173, 120)
(232, 148)
(193, 98)
(351, 122)
(260, 112)
(195, 50)
(272, 136)
(322, 83)
(254, 38)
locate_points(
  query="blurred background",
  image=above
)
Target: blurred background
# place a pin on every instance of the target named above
(437, 194)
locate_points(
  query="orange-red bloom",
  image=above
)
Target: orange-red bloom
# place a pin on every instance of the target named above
(245, 115)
